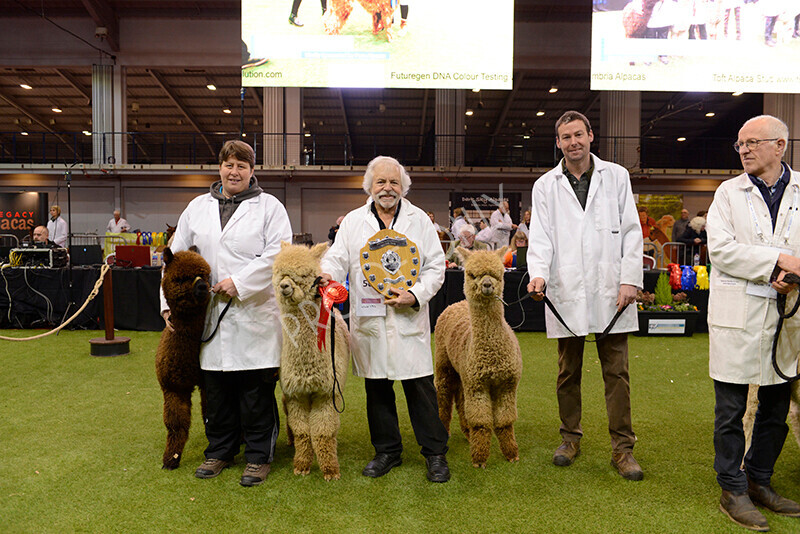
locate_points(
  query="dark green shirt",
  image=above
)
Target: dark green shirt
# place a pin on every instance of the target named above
(579, 185)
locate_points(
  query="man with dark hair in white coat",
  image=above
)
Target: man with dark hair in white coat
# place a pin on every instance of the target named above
(238, 229)
(753, 240)
(391, 338)
(586, 253)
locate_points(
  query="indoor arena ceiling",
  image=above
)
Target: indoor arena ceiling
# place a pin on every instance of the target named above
(177, 99)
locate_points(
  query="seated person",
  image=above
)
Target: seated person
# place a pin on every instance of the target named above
(510, 258)
(466, 240)
(41, 238)
(485, 235)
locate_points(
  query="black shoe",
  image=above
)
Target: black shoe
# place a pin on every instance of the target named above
(381, 464)
(295, 21)
(437, 468)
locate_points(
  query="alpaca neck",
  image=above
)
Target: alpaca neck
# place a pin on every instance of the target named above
(301, 329)
(485, 314)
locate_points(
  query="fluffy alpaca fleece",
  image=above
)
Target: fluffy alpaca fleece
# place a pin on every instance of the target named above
(339, 11)
(635, 16)
(478, 359)
(306, 372)
(185, 284)
(749, 418)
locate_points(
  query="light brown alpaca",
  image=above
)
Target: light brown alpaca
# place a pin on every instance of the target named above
(478, 360)
(752, 406)
(635, 16)
(338, 12)
(306, 372)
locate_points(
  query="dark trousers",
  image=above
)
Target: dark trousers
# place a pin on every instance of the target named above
(423, 410)
(240, 405)
(296, 6)
(769, 433)
(613, 353)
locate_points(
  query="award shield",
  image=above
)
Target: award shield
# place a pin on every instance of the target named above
(390, 260)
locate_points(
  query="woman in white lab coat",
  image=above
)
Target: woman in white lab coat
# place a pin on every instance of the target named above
(238, 229)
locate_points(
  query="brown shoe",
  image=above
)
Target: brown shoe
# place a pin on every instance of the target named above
(566, 453)
(740, 509)
(254, 474)
(627, 466)
(211, 468)
(769, 499)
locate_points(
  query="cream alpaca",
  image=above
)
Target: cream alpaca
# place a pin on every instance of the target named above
(306, 372)
(478, 360)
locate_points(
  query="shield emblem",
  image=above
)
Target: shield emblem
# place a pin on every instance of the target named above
(390, 260)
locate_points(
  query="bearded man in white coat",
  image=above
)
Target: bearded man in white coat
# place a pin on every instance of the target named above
(238, 229)
(585, 253)
(391, 338)
(753, 240)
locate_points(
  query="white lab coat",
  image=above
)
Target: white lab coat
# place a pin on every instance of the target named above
(584, 256)
(397, 346)
(58, 231)
(249, 336)
(501, 229)
(741, 326)
(117, 226)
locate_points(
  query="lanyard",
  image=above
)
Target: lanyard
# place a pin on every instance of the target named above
(792, 212)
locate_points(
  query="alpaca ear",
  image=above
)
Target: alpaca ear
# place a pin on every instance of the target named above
(194, 248)
(319, 250)
(464, 253)
(285, 244)
(502, 251)
(168, 256)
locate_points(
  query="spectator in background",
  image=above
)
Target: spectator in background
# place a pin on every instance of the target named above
(334, 230)
(694, 237)
(57, 226)
(510, 257)
(485, 234)
(646, 221)
(501, 224)
(680, 225)
(117, 224)
(466, 240)
(459, 220)
(526, 222)
(442, 231)
(42, 238)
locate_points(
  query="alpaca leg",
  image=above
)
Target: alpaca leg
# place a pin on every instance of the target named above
(478, 413)
(446, 381)
(324, 426)
(505, 414)
(750, 415)
(297, 416)
(289, 432)
(794, 411)
(462, 419)
(177, 419)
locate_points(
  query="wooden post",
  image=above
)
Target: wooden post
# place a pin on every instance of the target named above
(109, 345)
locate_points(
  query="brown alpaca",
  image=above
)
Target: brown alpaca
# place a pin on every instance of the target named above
(635, 17)
(185, 284)
(339, 11)
(749, 418)
(306, 372)
(478, 360)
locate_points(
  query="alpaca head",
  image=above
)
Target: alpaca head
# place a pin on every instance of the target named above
(186, 280)
(295, 269)
(483, 273)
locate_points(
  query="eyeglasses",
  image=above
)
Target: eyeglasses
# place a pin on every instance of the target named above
(751, 144)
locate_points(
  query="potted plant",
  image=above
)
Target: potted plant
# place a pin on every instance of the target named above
(663, 314)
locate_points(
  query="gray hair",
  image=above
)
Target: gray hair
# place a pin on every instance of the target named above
(697, 224)
(369, 174)
(777, 128)
(467, 228)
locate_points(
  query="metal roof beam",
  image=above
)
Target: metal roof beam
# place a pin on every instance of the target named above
(73, 82)
(32, 116)
(185, 112)
(518, 78)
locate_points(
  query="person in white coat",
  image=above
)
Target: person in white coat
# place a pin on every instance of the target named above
(391, 338)
(585, 253)
(117, 224)
(238, 229)
(501, 224)
(57, 227)
(753, 239)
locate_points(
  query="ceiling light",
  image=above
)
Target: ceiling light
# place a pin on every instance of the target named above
(540, 113)
(25, 86)
(87, 133)
(244, 135)
(469, 113)
(23, 133)
(681, 139)
(710, 114)
(226, 110)
(553, 89)
(56, 109)
(526, 136)
(737, 93)
(307, 134)
(211, 87)
(476, 90)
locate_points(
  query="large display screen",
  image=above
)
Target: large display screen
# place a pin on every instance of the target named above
(378, 43)
(696, 45)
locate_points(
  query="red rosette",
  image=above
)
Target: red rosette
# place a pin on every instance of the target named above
(333, 293)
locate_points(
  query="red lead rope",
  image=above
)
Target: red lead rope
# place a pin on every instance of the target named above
(333, 293)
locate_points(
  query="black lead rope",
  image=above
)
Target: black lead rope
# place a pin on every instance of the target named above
(221, 315)
(336, 384)
(557, 315)
(790, 278)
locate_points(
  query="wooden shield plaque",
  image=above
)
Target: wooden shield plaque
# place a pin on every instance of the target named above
(390, 260)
